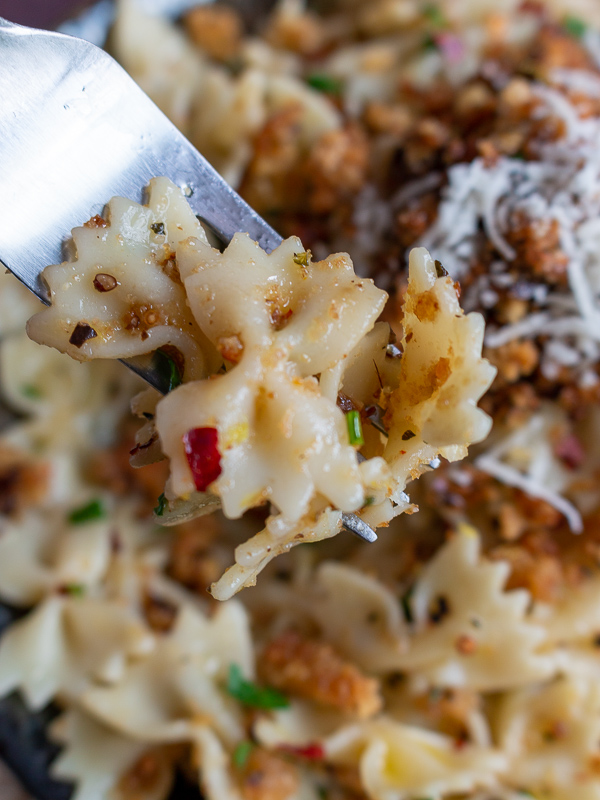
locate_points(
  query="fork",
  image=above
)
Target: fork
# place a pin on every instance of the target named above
(74, 127)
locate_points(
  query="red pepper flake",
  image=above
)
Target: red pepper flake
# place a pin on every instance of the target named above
(451, 46)
(466, 645)
(461, 741)
(313, 751)
(139, 447)
(570, 451)
(96, 222)
(203, 456)
(81, 333)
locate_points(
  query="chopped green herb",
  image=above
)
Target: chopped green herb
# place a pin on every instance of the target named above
(31, 392)
(242, 753)
(574, 26)
(408, 435)
(161, 505)
(435, 16)
(323, 792)
(88, 513)
(252, 695)
(168, 370)
(354, 428)
(74, 589)
(369, 501)
(324, 83)
(440, 270)
(158, 228)
(303, 259)
(405, 602)
(429, 44)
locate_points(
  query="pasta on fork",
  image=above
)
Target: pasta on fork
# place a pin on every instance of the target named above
(283, 368)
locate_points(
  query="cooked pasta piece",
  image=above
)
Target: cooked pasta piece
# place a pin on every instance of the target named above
(262, 344)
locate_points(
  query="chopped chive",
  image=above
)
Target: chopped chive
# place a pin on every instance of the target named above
(354, 428)
(323, 792)
(429, 44)
(74, 589)
(435, 16)
(168, 370)
(241, 754)
(574, 26)
(324, 83)
(88, 513)
(369, 501)
(252, 695)
(31, 392)
(161, 505)
(158, 228)
(405, 602)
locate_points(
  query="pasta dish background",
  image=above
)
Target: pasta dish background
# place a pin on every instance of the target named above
(456, 658)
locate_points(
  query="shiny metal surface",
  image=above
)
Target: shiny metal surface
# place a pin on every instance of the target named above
(75, 130)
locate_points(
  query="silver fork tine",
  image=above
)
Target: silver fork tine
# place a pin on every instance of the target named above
(75, 130)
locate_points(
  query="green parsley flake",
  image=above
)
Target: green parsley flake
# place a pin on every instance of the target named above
(429, 44)
(435, 16)
(369, 501)
(252, 695)
(355, 432)
(161, 505)
(241, 754)
(170, 376)
(440, 271)
(88, 513)
(31, 392)
(324, 83)
(75, 589)
(574, 26)
(406, 603)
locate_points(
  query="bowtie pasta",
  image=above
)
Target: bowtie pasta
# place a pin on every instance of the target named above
(456, 658)
(283, 369)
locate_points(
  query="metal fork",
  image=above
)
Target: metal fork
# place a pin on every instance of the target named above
(75, 130)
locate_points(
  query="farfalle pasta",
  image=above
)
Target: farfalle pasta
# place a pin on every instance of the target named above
(261, 342)
(456, 658)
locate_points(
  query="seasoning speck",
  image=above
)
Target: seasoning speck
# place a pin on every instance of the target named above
(81, 333)
(440, 271)
(103, 282)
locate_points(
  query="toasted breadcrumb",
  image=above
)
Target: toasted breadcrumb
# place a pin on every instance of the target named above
(337, 167)
(23, 483)
(313, 670)
(266, 776)
(217, 29)
(192, 563)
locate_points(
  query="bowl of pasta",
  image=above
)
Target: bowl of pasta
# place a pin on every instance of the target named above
(184, 613)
